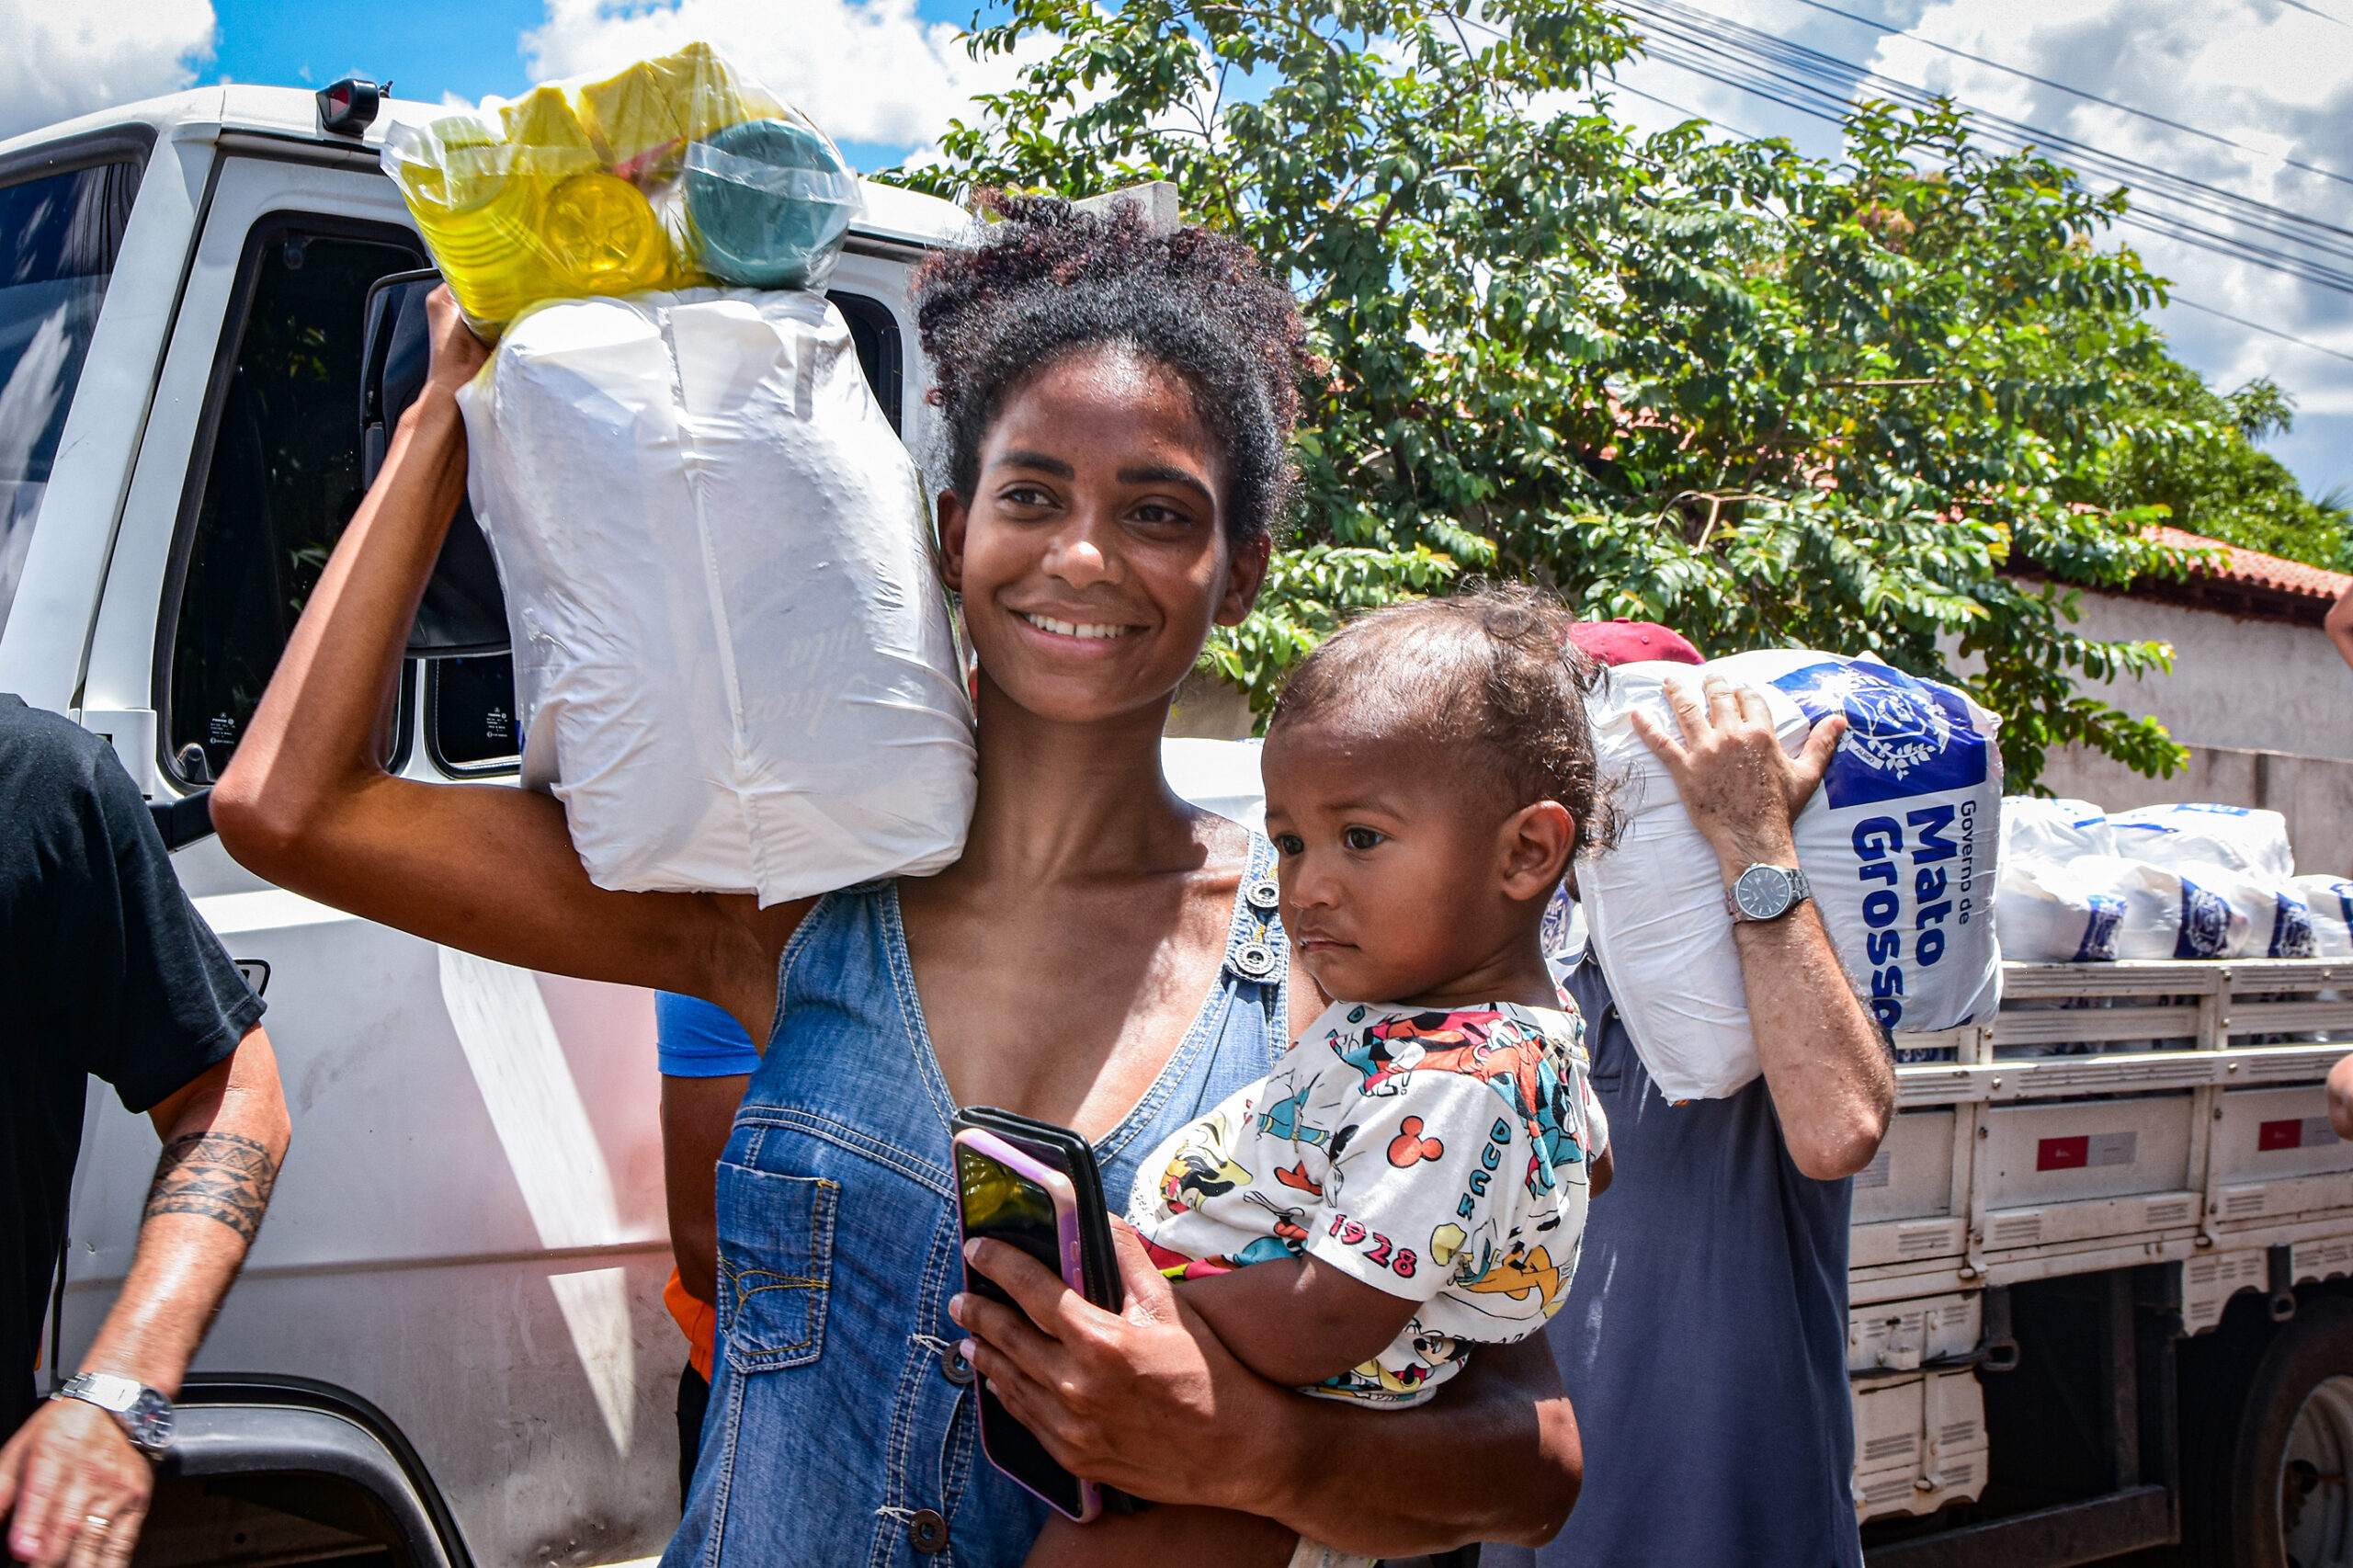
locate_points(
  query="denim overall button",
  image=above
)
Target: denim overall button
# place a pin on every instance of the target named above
(1255, 960)
(1264, 894)
(954, 1368)
(927, 1532)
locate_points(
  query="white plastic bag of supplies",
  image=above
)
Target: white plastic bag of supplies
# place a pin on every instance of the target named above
(731, 651)
(1901, 844)
(2199, 834)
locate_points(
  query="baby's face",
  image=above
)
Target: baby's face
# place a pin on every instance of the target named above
(1392, 875)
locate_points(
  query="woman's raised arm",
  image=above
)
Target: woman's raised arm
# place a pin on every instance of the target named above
(489, 869)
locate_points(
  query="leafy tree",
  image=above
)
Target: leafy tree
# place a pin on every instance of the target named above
(1763, 398)
(2191, 449)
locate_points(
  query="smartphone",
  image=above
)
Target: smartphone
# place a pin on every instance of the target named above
(1065, 1151)
(1010, 1195)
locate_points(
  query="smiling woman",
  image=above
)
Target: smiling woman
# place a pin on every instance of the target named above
(1103, 956)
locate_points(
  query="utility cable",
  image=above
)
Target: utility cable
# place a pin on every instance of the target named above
(2171, 297)
(2078, 92)
(1817, 84)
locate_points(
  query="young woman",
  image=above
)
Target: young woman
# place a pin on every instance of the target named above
(1117, 405)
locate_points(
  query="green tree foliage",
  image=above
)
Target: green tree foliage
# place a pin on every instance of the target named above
(1763, 398)
(2185, 446)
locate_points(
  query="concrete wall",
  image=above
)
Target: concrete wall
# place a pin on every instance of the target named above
(2245, 684)
(2266, 708)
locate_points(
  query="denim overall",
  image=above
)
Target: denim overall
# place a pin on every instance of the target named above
(841, 1430)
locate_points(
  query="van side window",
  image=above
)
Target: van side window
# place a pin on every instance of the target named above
(58, 239)
(278, 453)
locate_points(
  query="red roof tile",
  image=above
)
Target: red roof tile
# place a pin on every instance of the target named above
(2253, 569)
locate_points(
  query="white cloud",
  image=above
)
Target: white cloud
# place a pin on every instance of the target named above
(2271, 77)
(2275, 79)
(864, 70)
(59, 61)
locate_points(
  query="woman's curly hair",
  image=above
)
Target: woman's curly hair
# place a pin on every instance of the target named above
(1050, 279)
(1484, 685)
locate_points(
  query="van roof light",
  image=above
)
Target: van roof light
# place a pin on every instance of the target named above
(347, 108)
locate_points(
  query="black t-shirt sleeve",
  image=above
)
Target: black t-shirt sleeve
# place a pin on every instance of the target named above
(180, 1006)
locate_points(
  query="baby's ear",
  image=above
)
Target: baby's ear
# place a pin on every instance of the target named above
(1536, 844)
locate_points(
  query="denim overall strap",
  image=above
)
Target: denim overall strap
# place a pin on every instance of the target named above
(841, 1429)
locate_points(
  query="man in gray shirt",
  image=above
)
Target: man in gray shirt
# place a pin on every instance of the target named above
(1704, 1343)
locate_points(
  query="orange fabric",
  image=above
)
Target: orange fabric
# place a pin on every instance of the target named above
(698, 1321)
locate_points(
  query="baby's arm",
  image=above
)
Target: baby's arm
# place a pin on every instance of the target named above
(1296, 1320)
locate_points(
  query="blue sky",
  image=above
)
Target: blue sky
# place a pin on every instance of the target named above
(428, 48)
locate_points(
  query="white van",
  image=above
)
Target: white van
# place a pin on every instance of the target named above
(450, 1345)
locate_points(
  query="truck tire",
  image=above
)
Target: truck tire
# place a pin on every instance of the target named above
(2275, 1493)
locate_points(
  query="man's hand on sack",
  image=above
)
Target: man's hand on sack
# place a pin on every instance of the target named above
(1742, 790)
(457, 352)
(78, 1490)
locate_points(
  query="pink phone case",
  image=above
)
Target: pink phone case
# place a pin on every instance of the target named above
(1058, 1186)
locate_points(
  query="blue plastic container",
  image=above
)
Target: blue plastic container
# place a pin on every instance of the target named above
(769, 203)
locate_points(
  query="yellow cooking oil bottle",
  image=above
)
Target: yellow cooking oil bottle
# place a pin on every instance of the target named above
(523, 211)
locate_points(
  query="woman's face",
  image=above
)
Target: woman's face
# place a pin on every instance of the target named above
(1091, 553)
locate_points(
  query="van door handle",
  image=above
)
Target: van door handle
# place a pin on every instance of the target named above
(184, 821)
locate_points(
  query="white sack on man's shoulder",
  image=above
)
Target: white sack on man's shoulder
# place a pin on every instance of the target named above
(731, 650)
(1902, 845)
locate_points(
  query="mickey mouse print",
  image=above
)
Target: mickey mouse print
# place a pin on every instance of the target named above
(1439, 1155)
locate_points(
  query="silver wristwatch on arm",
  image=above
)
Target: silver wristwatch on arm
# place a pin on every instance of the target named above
(1767, 893)
(144, 1415)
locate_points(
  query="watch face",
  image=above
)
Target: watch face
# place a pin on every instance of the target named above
(1762, 891)
(151, 1421)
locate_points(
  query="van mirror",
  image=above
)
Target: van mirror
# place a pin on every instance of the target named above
(463, 613)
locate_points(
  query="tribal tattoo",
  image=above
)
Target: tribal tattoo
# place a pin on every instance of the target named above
(218, 1174)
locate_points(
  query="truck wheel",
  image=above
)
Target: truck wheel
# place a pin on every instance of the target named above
(2284, 1498)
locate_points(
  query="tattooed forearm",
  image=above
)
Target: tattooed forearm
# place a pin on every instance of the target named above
(218, 1174)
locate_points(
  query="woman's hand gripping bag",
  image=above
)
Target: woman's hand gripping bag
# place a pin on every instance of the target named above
(1902, 845)
(731, 649)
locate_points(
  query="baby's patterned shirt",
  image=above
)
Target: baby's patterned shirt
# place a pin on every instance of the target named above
(1441, 1156)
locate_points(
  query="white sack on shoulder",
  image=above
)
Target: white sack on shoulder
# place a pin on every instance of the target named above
(2199, 834)
(732, 651)
(1901, 843)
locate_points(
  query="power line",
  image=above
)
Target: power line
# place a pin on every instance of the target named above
(2171, 297)
(2315, 11)
(2089, 97)
(2258, 326)
(2167, 204)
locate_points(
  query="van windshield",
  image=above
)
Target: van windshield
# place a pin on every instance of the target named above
(58, 239)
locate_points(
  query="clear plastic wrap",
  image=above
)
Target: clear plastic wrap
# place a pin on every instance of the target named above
(677, 173)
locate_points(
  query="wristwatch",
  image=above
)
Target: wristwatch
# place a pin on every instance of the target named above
(144, 1415)
(1767, 893)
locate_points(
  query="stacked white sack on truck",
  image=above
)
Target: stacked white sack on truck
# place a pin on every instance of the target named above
(1901, 844)
(2329, 902)
(731, 650)
(2168, 881)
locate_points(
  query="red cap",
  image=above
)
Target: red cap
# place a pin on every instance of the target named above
(1631, 642)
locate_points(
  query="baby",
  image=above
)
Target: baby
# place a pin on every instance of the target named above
(1411, 1178)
